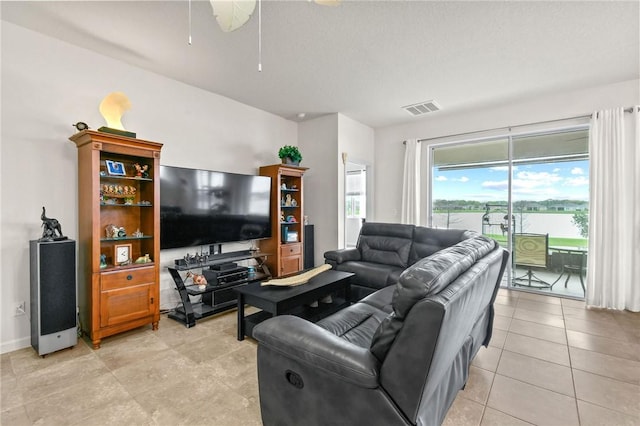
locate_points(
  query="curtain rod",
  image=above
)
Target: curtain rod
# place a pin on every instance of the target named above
(630, 109)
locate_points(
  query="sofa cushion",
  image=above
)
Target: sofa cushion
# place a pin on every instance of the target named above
(426, 277)
(356, 324)
(427, 241)
(381, 299)
(386, 243)
(374, 275)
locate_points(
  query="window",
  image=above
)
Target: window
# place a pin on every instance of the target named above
(534, 183)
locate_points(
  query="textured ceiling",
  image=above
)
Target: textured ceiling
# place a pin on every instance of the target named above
(365, 59)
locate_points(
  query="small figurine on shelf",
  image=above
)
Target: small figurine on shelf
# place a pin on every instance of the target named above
(103, 261)
(144, 259)
(52, 230)
(198, 280)
(291, 219)
(287, 201)
(138, 233)
(111, 231)
(141, 171)
(282, 217)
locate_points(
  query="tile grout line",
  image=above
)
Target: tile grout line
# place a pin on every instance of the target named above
(573, 380)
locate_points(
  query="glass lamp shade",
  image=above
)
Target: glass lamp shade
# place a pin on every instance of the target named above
(232, 14)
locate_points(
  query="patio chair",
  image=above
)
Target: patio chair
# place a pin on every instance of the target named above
(531, 251)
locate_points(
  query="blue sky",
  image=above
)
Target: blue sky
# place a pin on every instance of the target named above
(535, 182)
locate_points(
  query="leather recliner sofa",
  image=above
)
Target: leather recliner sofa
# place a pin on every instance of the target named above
(397, 357)
(385, 250)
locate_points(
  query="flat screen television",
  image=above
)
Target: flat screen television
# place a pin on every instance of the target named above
(205, 207)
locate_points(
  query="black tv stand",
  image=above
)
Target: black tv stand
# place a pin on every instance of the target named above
(215, 297)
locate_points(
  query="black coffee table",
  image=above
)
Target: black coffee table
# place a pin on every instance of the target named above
(274, 300)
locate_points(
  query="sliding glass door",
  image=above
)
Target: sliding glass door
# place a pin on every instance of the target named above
(528, 191)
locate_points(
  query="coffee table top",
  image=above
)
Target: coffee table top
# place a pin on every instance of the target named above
(278, 293)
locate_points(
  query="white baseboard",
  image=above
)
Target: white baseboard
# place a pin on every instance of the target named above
(14, 345)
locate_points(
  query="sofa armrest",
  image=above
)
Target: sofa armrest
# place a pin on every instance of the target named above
(310, 344)
(336, 257)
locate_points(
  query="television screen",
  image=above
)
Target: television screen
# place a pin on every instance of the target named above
(202, 207)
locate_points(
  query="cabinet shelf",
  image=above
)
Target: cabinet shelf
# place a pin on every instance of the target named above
(286, 189)
(126, 205)
(117, 298)
(107, 240)
(134, 178)
(112, 268)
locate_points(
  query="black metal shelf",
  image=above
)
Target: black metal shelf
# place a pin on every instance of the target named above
(216, 298)
(219, 259)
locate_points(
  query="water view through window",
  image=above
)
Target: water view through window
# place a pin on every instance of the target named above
(547, 185)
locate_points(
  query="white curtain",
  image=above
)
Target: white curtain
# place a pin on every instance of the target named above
(614, 219)
(411, 183)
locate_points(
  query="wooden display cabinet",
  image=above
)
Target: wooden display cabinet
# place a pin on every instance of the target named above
(287, 216)
(118, 215)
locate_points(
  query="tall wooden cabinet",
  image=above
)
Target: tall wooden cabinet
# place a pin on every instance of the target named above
(119, 233)
(287, 215)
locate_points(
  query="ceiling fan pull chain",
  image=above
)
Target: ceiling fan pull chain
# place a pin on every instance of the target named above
(259, 35)
(189, 22)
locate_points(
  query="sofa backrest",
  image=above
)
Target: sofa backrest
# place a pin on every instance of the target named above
(436, 305)
(427, 241)
(386, 243)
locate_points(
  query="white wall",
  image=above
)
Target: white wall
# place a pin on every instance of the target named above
(318, 141)
(389, 153)
(357, 141)
(46, 86)
(322, 142)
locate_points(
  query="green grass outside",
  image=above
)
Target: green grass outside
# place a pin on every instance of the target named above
(444, 211)
(553, 241)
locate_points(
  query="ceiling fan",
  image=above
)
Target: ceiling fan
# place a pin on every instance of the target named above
(233, 14)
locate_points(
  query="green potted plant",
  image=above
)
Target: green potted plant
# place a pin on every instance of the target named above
(290, 155)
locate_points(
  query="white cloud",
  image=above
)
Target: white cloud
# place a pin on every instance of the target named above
(577, 171)
(537, 178)
(441, 178)
(577, 181)
(502, 168)
(462, 179)
(532, 185)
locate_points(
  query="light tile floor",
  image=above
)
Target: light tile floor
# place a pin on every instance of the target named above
(551, 361)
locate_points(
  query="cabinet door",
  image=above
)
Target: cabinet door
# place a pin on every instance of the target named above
(126, 295)
(126, 304)
(290, 265)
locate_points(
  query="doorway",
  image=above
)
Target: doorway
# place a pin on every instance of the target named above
(355, 201)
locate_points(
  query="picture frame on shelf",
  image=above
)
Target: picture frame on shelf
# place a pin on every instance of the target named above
(122, 254)
(115, 168)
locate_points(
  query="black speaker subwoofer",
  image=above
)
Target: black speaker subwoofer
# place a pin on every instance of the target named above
(309, 252)
(53, 295)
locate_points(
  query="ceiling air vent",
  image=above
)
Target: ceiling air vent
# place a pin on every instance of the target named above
(422, 108)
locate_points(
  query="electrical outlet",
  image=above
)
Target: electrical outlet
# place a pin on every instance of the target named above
(21, 309)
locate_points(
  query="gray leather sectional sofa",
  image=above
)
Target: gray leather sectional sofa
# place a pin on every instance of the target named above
(385, 250)
(397, 357)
